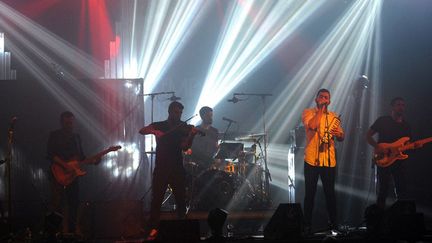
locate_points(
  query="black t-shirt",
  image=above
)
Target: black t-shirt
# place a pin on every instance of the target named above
(390, 130)
(168, 149)
(65, 145)
(205, 147)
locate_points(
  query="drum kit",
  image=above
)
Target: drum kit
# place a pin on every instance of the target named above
(233, 181)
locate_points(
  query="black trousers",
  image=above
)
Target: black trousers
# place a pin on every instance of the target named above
(161, 178)
(65, 200)
(327, 174)
(385, 175)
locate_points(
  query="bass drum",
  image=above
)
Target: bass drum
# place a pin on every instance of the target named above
(219, 189)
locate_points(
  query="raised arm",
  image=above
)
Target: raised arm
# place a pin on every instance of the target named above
(312, 121)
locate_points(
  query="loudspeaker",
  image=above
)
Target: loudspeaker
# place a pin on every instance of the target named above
(399, 221)
(216, 219)
(286, 222)
(4, 229)
(185, 230)
(53, 223)
(374, 216)
(403, 207)
(403, 221)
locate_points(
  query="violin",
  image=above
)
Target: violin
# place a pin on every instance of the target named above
(188, 128)
(185, 128)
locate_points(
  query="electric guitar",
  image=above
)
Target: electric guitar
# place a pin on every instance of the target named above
(66, 172)
(394, 151)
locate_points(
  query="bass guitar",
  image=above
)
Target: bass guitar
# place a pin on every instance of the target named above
(66, 172)
(395, 151)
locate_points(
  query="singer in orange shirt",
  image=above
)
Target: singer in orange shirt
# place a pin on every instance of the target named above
(322, 127)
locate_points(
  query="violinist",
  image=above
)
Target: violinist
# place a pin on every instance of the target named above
(172, 137)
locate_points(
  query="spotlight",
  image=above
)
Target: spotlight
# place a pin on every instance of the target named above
(335, 60)
(243, 47)
(363, 82)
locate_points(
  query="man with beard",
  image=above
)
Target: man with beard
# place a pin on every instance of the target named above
(205, 147)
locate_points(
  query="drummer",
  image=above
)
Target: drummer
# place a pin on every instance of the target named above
(205, 147)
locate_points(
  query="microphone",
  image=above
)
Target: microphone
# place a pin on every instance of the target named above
(174, 98)
(323, 105)
(228, 120)
(233, 100)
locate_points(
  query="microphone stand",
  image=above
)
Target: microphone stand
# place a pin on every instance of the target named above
(226, 130)
(267, 175)
(291, 167)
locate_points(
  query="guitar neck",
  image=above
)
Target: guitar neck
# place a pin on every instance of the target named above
(411, 145)
(96, 156)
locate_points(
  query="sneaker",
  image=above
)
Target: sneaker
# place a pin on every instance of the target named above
(152, 235)
(334, 230)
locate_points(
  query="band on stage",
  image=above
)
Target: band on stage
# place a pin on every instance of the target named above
(203, 171)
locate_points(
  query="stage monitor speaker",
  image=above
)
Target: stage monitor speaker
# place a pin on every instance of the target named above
(4, 230)
(286, 222)
(374, 216)
(53, 222)
(403, 207)
(403, 221)
(185, 230)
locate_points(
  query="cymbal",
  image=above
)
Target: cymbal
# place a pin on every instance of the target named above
(247, 152)
(250, 137)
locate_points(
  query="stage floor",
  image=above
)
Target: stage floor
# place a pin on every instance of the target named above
(241, 226)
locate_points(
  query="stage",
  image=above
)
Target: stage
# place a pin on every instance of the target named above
(240, 226)
(266, 103)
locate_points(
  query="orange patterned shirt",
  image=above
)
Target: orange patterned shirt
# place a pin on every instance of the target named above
(320, 145)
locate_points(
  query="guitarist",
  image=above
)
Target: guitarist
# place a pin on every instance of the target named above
(65, 145)
(390, 129)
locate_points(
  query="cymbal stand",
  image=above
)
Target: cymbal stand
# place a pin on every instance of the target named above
(226, 130)
(291, 167)
(267, 175)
